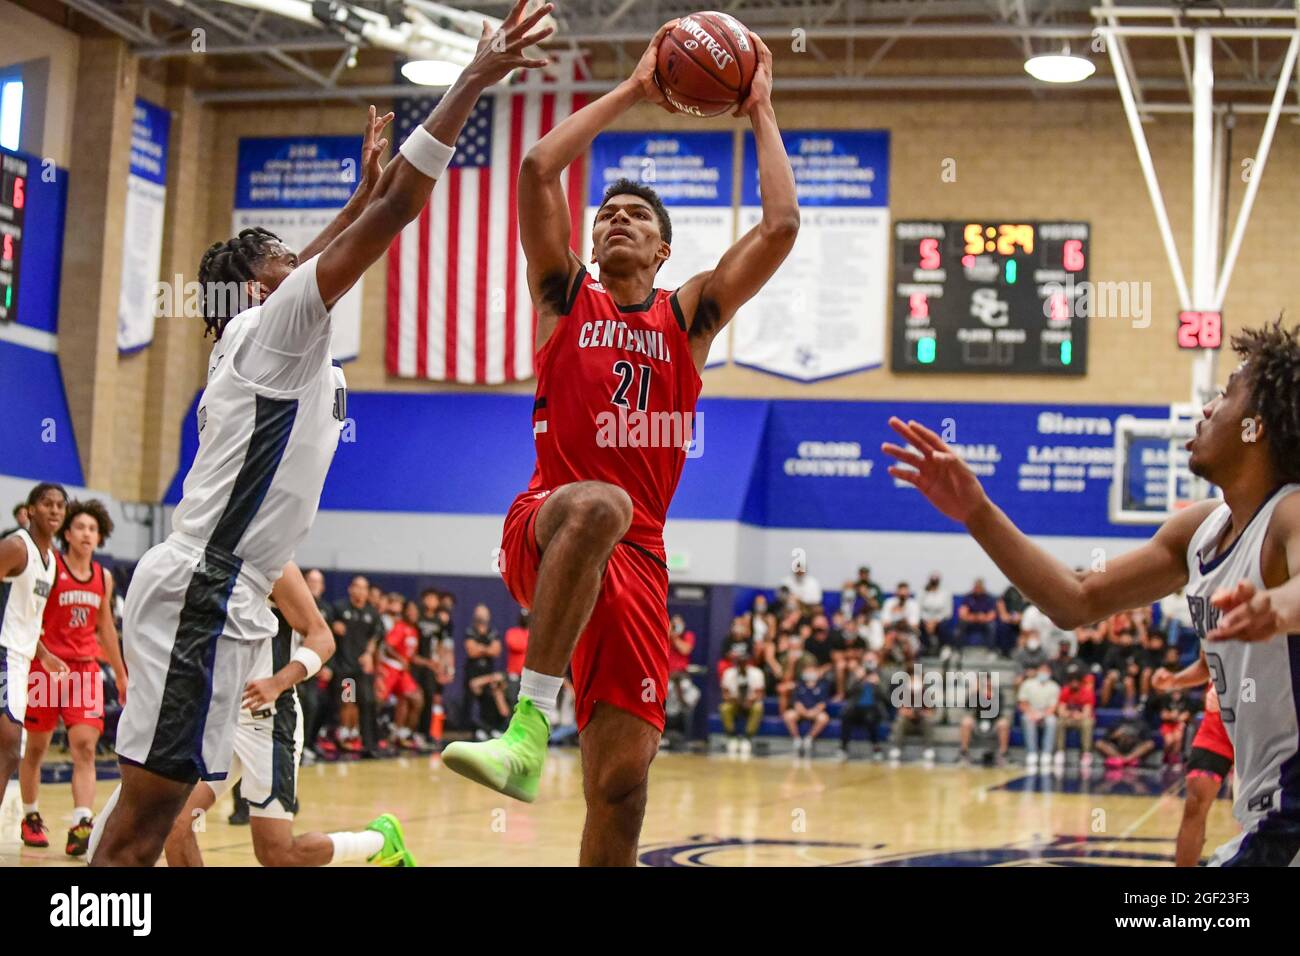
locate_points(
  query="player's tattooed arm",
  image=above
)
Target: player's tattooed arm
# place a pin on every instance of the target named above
(1071, 599)
(372, 148)
(710, 299)
(1250, 614)
(402, 190)
(544, 227)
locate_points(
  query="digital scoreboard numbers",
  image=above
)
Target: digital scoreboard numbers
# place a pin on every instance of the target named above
(990, 297)
(13, 206)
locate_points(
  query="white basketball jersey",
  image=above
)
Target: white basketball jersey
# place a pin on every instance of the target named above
(255, 484)
(22, 599)
(1258, 683)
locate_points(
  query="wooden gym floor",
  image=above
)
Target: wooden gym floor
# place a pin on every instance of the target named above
(724, 811)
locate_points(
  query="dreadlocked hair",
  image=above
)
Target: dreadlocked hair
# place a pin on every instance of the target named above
(224, 269)
(1272, 357)
(93, 507)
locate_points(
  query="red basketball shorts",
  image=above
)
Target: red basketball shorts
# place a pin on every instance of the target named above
(393, 680)
(622, 653)
(77, 697)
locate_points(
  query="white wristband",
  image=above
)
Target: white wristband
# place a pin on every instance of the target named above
(427, 154)
(308, 659)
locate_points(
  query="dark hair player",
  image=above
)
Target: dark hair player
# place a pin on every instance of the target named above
(583, 546)
(1239, 558)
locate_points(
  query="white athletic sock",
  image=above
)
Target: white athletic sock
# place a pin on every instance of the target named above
(542, 689)
(81, 813)
(29, 808)
(403, 733)
(350, 847)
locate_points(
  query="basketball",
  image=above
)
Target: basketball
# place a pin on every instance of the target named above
(706, 64)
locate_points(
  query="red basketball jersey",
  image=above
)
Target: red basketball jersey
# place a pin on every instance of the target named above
(615, 402)
(71, 624)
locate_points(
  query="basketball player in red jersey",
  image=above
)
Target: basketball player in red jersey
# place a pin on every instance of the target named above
(1210, 761)
(583, 546)
(78, 630)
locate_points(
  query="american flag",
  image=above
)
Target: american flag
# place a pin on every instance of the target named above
(458, 303)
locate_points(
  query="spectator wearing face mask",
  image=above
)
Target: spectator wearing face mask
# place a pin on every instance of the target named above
(869, 589)
(811, 695)
(936, 614)
(901, 613)
(1034, 621)
(1029, 656)
(978, 615)
(865, 705)
(913, 716)
(1062, 663)
(1037, 700)
(762, 622)
(742, 698)
(1011, 609)
(983, 722)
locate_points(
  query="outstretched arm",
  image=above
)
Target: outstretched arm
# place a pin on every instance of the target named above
(710, 299)
(372, 147)
(544, 229)
(1070, 599)
(402, 190)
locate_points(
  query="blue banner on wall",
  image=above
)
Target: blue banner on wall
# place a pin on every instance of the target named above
(142, 228)
(824, 312)
(150, 128)
(692, 173)
(297, 172)
(295, 186)
(776, 464)
(836, 167)
(685, 169)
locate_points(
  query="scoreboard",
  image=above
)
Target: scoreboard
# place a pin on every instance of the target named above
(990, 297)
(13, 208)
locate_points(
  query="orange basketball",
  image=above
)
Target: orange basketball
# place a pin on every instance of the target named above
(706, 63)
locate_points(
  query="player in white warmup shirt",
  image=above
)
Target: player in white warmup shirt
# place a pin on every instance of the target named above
(27, 572)
(269, 421)
(1239, 559)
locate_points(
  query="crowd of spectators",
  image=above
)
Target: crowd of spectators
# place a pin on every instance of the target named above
(818, 654)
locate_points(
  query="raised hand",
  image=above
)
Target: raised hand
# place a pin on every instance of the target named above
(1249, 615)
(500, 51)
(372, 148)
(935, 470)
(760, 89)
(643, 76)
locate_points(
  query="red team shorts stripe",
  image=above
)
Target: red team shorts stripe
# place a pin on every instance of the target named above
(77, 697)
(622, 654)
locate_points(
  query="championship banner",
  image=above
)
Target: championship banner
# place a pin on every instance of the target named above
(295, 186)
(692, 173)
(146, 202)
(824, 312)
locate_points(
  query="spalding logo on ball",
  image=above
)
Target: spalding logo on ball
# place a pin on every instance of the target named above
(705, 64)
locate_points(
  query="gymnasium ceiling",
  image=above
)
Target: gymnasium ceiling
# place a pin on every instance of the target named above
(861, 48)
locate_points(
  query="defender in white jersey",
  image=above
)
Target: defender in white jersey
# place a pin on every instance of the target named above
(1239, 559)
(269, 421)
(268, 748)
(27, 570)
